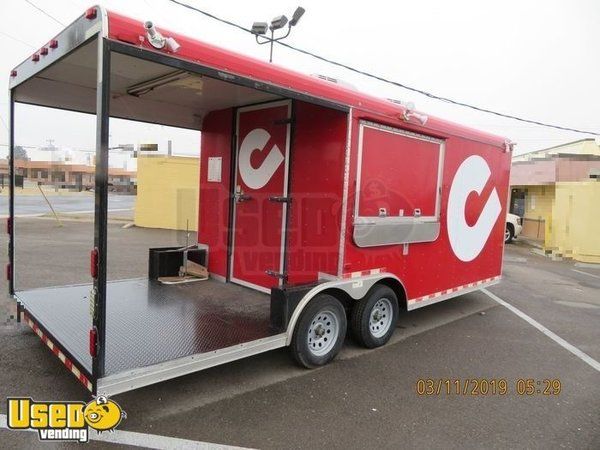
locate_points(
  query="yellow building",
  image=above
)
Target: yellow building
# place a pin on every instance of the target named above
(167, 195)
(557, 192)
(580, 147)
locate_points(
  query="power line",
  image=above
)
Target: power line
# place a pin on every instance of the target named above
(45, 13)
(3, 122)
(16, 39)
(388, 81)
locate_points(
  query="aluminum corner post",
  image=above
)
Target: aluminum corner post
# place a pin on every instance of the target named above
(101, 207)
(11, 199)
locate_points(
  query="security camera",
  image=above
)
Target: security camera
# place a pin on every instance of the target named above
(156, 39)
(421, 118)
(172, 45)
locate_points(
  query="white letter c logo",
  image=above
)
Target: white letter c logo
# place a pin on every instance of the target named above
(468, 241)
(257, 139)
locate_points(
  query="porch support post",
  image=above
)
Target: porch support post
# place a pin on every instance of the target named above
(11, 200)
(101, 206)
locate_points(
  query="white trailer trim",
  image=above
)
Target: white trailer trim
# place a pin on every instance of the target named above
(437, 297)
(144, 376)
(356, 288)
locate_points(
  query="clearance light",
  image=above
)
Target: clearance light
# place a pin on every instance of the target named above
(35, 57)
(91, 13)
(44, 51)
(94, 263)
(13, 73)
(93, 342)
(53, 43)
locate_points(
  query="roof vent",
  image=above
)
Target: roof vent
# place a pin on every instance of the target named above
(334, 80)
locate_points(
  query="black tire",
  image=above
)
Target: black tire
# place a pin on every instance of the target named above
(509, 233)
(366, 332)
(319, 311)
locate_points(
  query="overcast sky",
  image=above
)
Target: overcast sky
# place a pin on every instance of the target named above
(538, 60)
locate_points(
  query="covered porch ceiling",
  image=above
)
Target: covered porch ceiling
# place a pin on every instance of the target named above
(141, 90)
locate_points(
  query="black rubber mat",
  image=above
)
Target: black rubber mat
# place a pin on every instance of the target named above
(150, 323)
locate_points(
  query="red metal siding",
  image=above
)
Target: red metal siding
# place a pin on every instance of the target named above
(213, 211)
(128, 30)
(317, 175)
(433, 266)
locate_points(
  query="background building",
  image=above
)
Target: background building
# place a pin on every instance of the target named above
(167, 195)
(557, 192)
(65, 175)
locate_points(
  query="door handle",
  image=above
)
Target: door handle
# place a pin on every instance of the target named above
(242, 197)
(280, 199)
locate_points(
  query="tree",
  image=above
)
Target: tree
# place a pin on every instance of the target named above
(20, 153)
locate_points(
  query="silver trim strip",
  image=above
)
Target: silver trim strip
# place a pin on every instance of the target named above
(441, 298)
(369, 233)
(343, 224)
(144, 376)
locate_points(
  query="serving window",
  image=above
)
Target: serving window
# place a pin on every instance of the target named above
(399, 182)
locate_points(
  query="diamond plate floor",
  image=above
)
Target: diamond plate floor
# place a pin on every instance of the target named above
(150, 323)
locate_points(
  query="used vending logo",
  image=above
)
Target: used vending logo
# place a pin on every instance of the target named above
(64, 421)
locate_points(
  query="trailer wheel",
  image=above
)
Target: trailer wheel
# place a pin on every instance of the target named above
(374, 317)
(320, 332)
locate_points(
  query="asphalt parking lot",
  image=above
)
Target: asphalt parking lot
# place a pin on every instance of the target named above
(64, 202)
(365, 398)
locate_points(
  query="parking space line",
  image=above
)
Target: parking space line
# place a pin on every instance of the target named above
(154, 441)
(90, 211)
(585, 273)
(560, 341)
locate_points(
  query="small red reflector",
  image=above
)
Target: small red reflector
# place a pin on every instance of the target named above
(13, 73)
(93, 341)
(44, 51)
(8, 272)
(53, 43)
(91, 13)
(94, 263)
(9, 225)
(35, 57)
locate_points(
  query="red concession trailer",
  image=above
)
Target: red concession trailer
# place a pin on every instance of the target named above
(322, 209)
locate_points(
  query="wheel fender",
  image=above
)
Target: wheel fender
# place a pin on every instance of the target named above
(356, 288)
